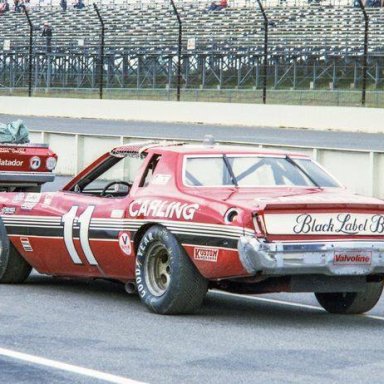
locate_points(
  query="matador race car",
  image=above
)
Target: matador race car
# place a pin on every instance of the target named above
(171, 221)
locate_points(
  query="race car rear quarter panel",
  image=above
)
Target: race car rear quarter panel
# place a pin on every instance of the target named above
(215, 262)
(209, 242)
(212, 247)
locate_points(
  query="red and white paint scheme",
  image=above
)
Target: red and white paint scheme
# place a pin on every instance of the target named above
(172, 220)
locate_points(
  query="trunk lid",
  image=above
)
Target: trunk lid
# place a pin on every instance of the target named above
(314, 213)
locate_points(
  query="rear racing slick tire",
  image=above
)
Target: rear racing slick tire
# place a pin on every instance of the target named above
(167, 281)
(13, 268)
(351, 302)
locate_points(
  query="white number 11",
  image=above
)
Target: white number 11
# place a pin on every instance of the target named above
(84, 221)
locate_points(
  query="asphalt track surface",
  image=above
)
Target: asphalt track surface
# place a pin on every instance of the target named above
(262, 135)
(96, 325)
(78, 331)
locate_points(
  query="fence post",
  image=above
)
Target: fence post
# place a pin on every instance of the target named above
(178, 49)
(365, 57)
(101, 68)
(30, 52)
(265, 66)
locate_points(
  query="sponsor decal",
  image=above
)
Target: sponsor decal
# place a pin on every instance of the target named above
(8, 211)
(352, 258)
(13, 150)
(343, 223)
(161, 179)
(11, 163)
(163, 209)
(18, 198)
(325, 223)
(35, 162)
(117, 213)
(47, 199)
(206, 254)
(28, 205)
(26, 244)
(32, 198)
(125, 243)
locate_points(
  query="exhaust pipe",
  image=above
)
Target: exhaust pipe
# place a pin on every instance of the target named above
(130, 288)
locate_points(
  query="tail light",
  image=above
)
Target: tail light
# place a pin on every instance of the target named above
(259, 226)
(51, 163)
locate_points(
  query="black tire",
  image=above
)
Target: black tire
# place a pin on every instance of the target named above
(167, 281)
(349, 303)
(13, 268)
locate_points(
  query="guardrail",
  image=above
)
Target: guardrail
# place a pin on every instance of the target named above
(361, 171)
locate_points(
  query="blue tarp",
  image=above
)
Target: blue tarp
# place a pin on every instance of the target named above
(14, 133)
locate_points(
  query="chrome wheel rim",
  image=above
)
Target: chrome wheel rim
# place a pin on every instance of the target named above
(157, 269)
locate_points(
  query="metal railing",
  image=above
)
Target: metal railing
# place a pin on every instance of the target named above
(125, 63)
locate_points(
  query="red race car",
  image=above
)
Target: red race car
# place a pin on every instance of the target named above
(25, 167)
(173, 220)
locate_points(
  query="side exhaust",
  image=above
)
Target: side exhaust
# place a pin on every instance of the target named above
(130, 288)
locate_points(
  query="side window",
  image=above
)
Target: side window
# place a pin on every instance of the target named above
(148, 174)
(113, 178)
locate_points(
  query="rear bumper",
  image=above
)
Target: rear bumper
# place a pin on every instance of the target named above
(11, 178)
(325, 258)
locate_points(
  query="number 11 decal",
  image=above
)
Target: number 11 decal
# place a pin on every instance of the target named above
(84, 221)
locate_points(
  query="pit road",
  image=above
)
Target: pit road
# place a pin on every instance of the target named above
(99, 332)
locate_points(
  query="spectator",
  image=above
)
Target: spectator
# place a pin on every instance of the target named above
(16, 4)
(4, 7)
(47, 33)
(212, 7)
(373, 3)
(63, 5)
(218, 7)
(24, 5)
(223, 4)
(79, 4)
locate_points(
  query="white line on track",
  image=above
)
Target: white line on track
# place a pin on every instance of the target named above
(67, 367)
(287, 303)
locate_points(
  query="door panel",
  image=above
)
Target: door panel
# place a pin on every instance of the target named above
(85, 240)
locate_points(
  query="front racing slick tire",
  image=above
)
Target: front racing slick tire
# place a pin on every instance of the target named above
(167, 281)
(13, 268)
(350, 303)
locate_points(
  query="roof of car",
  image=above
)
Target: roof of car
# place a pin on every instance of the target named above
(194, 149)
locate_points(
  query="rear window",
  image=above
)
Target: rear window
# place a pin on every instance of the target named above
(254, 171)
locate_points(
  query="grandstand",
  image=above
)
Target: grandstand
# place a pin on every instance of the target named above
(309, 46)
